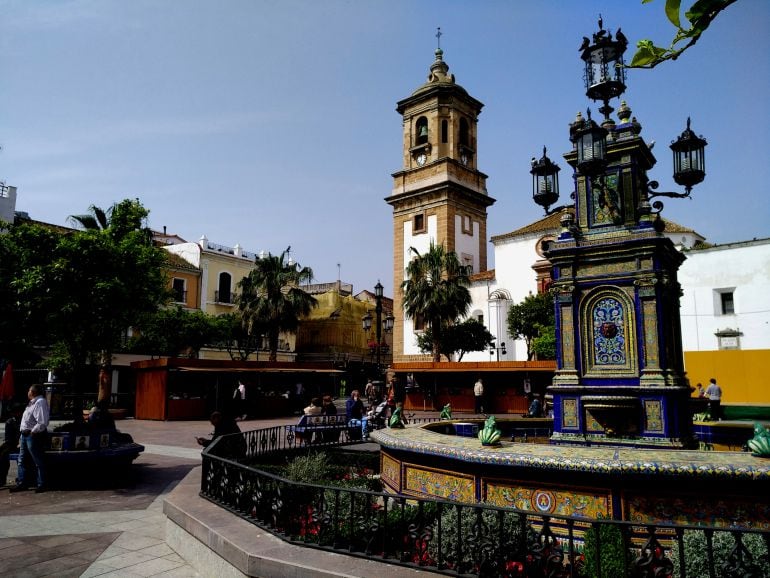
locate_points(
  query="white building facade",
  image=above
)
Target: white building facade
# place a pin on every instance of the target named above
(726, 297)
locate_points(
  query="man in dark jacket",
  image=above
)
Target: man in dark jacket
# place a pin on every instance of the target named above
(234, 446)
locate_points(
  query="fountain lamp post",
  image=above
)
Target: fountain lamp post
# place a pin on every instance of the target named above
(620, 369)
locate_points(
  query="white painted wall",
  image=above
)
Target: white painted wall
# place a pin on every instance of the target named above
(466, 244)
(421, 242)
(513, 273)
(8, 204)
(190, 252)
(743, 268)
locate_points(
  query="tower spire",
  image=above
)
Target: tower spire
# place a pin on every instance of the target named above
(438, 37)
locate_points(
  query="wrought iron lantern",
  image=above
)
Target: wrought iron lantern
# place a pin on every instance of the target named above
(387, 323)
(605, 76)
(366, 321)
(689, 160)
(591, 141)
(545, 181)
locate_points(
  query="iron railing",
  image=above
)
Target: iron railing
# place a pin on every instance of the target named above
(68, 405)
(461, 539)
(224, 297)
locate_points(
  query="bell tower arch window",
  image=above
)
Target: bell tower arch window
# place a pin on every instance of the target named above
(464, 137)
(421, 130)
(444, 131)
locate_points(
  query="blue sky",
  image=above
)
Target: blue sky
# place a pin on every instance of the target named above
(272, 123)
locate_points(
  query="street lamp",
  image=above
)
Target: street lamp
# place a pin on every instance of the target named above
(500, 349)
(605, 79)
(380, 325)
(545, 182)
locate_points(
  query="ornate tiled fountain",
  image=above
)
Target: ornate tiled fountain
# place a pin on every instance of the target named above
(622, 430)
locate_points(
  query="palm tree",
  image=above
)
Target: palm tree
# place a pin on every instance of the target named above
(97, 219)
(118, 221)
(271, 300)
(125, 221)
(436, 289)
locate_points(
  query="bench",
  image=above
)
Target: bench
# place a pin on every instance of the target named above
(317, 429)
(71, 448)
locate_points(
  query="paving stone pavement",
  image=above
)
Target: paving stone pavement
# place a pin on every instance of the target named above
(114, 528)
(107, 529)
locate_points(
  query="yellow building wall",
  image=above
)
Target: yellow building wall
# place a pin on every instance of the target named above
(742, 374)
(335, 326)
(216, 264)
(192, 282)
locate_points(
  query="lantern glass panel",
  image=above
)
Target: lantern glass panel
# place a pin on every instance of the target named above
(591, 150)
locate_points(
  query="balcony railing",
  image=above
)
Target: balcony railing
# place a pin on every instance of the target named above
(223, 297)
(459, 539)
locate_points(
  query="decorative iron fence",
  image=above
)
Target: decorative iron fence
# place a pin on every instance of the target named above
(460, 539)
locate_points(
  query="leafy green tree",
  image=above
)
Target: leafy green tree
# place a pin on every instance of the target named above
(544, 345)
(271, 298)
(526, 319)
(116, 276)
(25, 250)
(700, 15)
(460, 338)
(90, 286)
(173, 332)
(436, 289)
(233, 337)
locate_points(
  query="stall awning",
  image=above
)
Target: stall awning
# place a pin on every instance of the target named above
(475, 367)
(224, 365)
(257, 370)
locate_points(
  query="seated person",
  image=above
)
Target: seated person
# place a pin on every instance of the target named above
(233, 446)
(315, 407)
(330, 409)
(11, 443)
(328, 406)
(536, 407)
(354, 410)
(99, 417)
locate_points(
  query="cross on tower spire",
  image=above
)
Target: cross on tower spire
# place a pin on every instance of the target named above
(438, 37)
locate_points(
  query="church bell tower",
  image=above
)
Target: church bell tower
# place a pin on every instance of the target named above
(439, 195)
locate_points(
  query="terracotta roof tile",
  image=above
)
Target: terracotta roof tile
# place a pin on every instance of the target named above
(550, 224)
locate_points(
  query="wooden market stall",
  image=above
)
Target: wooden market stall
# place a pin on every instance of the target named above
(508, 385)
(179, 388)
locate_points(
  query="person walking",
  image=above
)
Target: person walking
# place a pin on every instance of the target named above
(239, 401)
(478, 395)
(370, 394)
(714, 395)
(33, 427)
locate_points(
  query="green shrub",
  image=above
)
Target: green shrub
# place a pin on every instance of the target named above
(612, 555)
(696, 556)
(310, 469)
(477, 537)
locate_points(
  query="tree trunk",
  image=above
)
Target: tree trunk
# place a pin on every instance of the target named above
(272, 344)
(105, 376)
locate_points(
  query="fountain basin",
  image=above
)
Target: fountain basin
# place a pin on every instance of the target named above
(658, 486)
